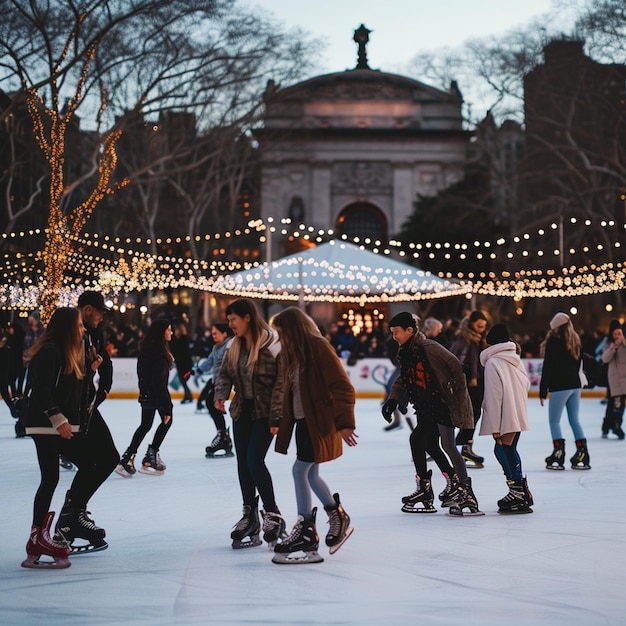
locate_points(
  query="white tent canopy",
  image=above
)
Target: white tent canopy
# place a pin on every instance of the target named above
(338, 271)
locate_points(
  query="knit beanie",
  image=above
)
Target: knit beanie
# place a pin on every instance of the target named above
(404, 320)
(498, 334)
(614, 325)
(558, 320)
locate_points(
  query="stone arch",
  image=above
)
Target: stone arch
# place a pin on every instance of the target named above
(362, 219)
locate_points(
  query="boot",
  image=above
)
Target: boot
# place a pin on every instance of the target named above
(248, 526)
(556, 460)
(303, 538)
(150, 463)
(617, 427)
(40, 543)
(75, 523)
(448, 494)
(470, 457)
(580, 460)
(273, 527)
(465, 503)
(527, 494)
(514, 501)
(423, 494)
(126, 466)
(221, 441)
(339, 528)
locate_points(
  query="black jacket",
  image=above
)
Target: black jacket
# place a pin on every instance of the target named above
(560, 369)
(153, 371)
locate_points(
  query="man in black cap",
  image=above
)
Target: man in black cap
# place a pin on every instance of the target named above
(99, 456)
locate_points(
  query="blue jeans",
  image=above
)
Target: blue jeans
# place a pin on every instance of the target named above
(559, 400)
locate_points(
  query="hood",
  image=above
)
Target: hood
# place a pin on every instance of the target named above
(505, 351)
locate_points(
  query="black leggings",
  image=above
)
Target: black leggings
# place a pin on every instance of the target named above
(93, 453)
(465, 435)
(147, 419)
(252, 441)
(207, 395)
(423, 439)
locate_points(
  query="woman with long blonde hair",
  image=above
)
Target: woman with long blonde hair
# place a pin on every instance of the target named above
(314, 395)
(250, 367)
(560, 377)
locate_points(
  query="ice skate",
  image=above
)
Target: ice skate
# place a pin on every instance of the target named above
(465, 503)
(527, 494)
(274, 528)
(452, 485)
(245, 534)
(472, 460)
(66, 463)
(302, 544)
(150, 464)
(556, 460)
(221, 441)
(76, 524)
(126, 466)
(422, 495)
(515, 501)
(580, 460)
(41, 544)
(339, 528)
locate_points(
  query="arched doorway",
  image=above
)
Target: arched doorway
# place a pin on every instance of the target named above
(362, 220)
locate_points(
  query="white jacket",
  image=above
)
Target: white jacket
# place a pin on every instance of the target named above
(506, 390)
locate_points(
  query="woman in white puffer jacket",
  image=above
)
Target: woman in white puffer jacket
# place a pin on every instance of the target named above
(505, 414)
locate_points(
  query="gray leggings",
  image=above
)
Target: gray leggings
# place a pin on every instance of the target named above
(449, 446)
(306, 477)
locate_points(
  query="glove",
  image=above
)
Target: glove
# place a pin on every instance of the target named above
(403, 405)
(388, 408)
(186, 376)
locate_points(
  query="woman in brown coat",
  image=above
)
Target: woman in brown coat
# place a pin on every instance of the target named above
(314, 394)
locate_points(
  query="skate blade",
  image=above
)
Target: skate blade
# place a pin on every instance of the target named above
(581, 467)
(239, 544)
(120, 471)
(219, 456)
(86, 548)
(460, 513)
(298, 558)
(34, 562)
(151, 472)
(336, 547)
(514, 511)
(473, 464)
(407, 508)
(557, 467)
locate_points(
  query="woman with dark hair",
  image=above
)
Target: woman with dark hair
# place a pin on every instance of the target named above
(315, 395)
(614, 355)
(154, 362)
(467, 346)
(560, 377)
(250, 366)
(54, 415)
(221, 334)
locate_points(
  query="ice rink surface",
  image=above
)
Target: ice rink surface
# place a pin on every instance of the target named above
(170, 560)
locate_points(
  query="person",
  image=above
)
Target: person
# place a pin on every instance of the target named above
(560, 377)
(56, 417)
(73, 522)
(614, 354)
(250, 366)
(221, 334)
(433, 379)
(181, 349)
(433, 329)
(467, 346)
(314, 396)
(505, 413)
(154, 362)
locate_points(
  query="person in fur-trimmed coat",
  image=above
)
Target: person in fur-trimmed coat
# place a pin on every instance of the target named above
(505, 414)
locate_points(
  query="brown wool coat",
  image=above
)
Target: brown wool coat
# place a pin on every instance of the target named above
(328, 400)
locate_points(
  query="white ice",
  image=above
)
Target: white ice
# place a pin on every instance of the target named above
(170, 561)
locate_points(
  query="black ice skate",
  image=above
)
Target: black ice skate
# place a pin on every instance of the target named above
(556, 460)
(246, 531)
(470, 457)
(422, 495)
(221, 441)
(41, 544)
(465, 503)
(274, 528)
(66, 463)
(76, 524)
(126, 466)
(580, 460)
(527, 494)
(301, 545)
(150, 464)
(339, 528)
(450, 491)
(515, 501)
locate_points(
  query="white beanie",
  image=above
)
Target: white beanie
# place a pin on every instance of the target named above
(558, 320)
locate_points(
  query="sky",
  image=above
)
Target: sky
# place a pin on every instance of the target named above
(401, 28)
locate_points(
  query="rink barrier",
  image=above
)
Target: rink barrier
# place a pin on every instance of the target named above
(368, 377)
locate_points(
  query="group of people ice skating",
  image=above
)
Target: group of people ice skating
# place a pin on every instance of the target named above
(287, 380)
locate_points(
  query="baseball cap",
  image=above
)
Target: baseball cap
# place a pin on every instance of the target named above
(95, 299)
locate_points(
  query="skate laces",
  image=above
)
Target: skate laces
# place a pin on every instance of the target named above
(242, 524)
(334, 522)
(271, 521)
(216, 440)
(85, 521)
(295, 531)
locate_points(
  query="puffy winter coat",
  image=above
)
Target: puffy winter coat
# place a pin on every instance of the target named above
(506, 390)
(617, 369)
(328, 399)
